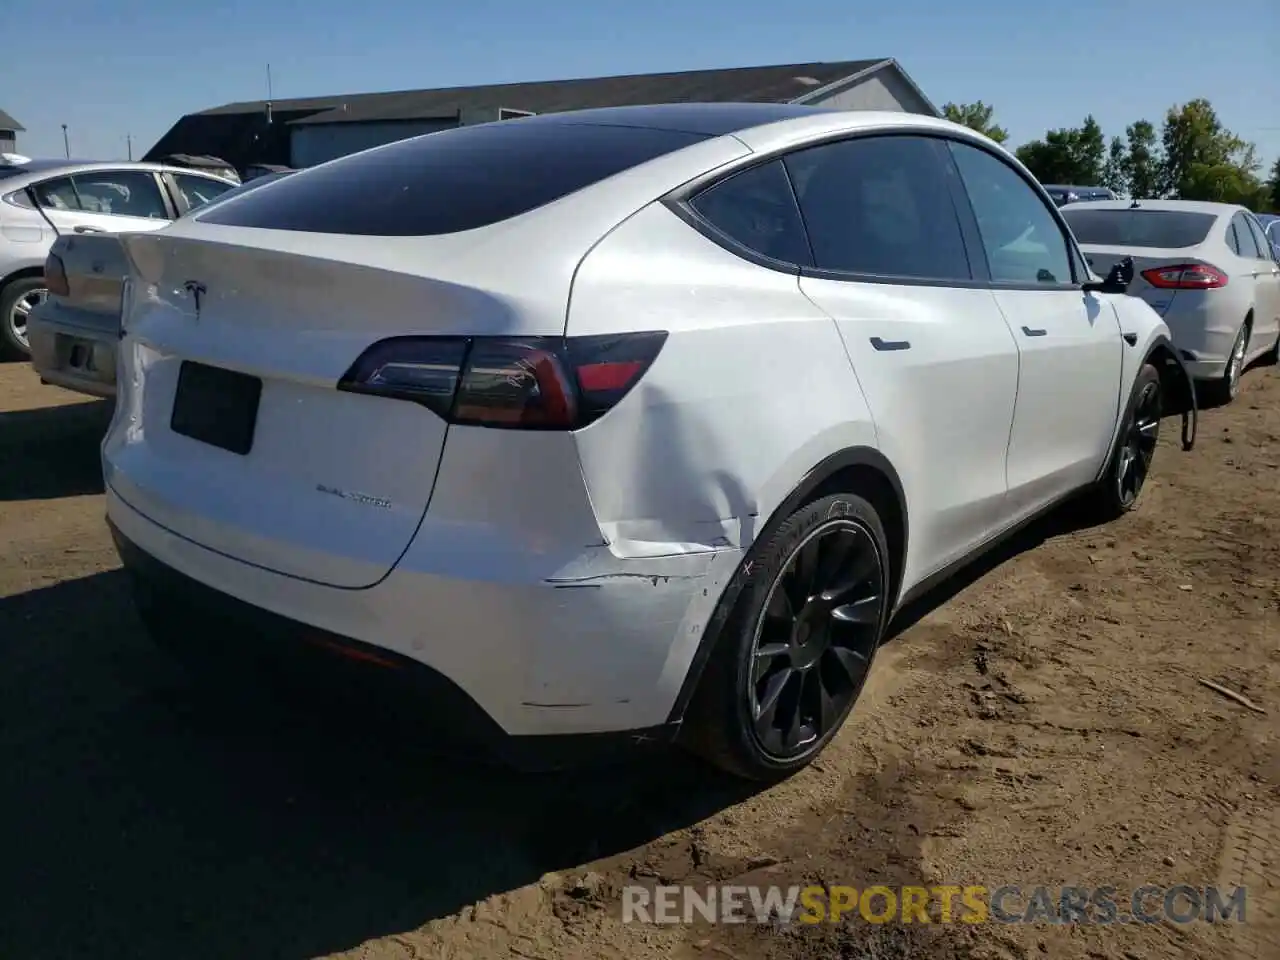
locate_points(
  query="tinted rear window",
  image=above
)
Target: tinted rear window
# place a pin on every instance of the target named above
(451, 181)
(1138, 228)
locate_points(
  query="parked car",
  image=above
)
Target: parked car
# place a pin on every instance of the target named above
(255, 170)
(1062, 195)
(214, 166)
(1206, 268)
(1271, 226)
(721, 391)
(73, 333)
(43, 199)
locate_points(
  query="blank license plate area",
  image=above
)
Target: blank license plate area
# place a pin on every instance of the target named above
(215, 406)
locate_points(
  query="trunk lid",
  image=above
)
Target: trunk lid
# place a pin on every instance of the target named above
(95, 267)
(1102, 258)
(334, 484)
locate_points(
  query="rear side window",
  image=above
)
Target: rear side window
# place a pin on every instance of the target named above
(1244, 237)
(757, 209)
(1020, 236)
(120, 193)
(197, 191)
(1259, 238)
(1138, 228)
(450, 181)
(880, 206)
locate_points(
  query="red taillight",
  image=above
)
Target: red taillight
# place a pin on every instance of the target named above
(55, 276)
(528, 383)
(608, 376)
(1185, 276)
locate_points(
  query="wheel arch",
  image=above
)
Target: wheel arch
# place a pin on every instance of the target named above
(1175, 381)
(22, 273)
(859, 469)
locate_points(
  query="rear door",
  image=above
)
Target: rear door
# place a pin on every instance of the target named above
(1069, 342)
(104, 201)
(1266, 281)
(1244, 269)
(934, 357)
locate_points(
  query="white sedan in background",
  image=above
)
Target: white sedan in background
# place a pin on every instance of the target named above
(631, 421)
(1206, 268)
(73, 333)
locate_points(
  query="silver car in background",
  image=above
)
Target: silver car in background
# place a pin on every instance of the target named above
(1206, 268)
(41, 200)
(1271, 225)
(1063, 194)
(73, 333)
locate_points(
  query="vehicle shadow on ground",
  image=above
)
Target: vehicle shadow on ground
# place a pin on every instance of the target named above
(141, 819)
(52, 452)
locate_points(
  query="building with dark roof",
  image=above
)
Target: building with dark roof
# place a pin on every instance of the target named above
(9, 130)
(307, 131)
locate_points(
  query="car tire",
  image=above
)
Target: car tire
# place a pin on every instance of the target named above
(11, 342)
(1129, 465)
(795, 648)
(1227, 388)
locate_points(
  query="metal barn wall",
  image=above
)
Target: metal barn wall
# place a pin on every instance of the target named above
(310, 145)
(883, 90)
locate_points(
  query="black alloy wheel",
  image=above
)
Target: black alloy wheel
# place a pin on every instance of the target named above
(1139, 444)
(815, 638)
(793, 640)
(1120, 483)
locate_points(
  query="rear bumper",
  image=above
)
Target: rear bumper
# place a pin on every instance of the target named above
(336, 668)
(605, 653)
(1206, 369)
(1204, 332)
(79, 358)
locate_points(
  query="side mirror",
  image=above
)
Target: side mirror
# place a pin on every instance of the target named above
(1117, 280)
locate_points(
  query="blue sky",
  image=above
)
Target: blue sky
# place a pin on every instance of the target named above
(109, 69)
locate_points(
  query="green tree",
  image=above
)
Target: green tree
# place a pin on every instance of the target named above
(1092, 150)
(1143, 165)
(1274, 187)
(1222, 183)
(1113, 177)
(1203, 160)
(976, 116)
(1074, 155)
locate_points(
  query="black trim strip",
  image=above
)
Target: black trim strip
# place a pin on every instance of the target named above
(679, 200)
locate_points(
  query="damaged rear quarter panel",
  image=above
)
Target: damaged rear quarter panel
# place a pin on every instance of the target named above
(752, 389)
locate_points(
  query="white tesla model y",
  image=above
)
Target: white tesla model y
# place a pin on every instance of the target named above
(631, 421)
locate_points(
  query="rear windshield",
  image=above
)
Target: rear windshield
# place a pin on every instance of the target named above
(1138, 228)
(450, 181)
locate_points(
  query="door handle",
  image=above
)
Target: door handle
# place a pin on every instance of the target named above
(83, 229)
(890, 344)
(1034, 333)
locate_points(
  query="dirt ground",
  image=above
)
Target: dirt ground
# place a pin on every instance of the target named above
(1040, 723)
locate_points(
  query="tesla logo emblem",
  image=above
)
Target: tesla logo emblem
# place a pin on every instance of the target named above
(197, 291)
